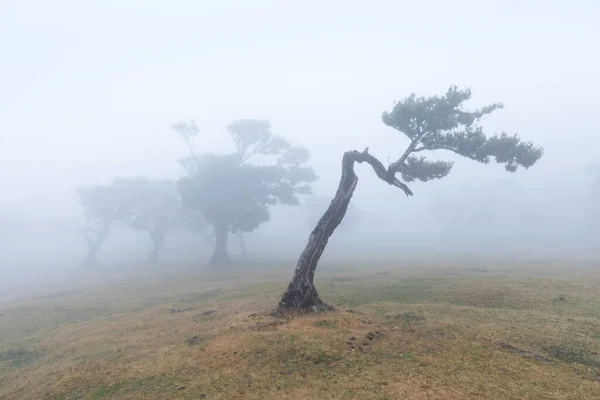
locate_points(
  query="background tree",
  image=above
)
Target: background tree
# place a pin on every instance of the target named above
(141, 204)
(233, 192)
(432, 123)
(156, 212)
(104, 205)
(100, 215)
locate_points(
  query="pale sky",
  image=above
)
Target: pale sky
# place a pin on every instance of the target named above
(88, 89)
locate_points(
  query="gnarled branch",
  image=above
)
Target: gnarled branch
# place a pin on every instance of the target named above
(385, 174)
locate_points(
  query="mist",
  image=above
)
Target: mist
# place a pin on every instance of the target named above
(90, 89)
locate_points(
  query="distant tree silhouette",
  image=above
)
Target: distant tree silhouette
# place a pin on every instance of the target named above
(104, 205)
(140, 204)
(234, 192)
(159, 211)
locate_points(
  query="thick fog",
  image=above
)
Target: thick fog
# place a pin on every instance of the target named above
(89, 90)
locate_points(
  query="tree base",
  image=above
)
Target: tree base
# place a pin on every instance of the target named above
(282, 311)
(301, 302)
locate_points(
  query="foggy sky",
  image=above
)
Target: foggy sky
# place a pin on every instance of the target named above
(89, 89)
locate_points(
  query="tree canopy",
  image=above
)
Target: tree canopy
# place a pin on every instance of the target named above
(442, 123)
(430, 123)
(235, 191)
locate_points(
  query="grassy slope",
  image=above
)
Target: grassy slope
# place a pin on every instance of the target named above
(411, 333)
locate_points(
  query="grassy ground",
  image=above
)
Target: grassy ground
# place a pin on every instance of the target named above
(463, 331)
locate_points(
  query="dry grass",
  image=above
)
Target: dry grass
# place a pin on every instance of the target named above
(459, 332)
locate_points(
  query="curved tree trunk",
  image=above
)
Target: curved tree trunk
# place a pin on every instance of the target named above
(301, 293)
(220, 254)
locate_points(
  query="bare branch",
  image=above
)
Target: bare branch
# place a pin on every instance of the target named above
(385, 174)
(193, 154)
(185, 132)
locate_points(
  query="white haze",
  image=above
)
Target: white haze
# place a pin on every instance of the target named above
(88, 90)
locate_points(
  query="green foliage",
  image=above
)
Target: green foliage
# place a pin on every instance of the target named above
(424, 170)
(442, 123)
(235, 189)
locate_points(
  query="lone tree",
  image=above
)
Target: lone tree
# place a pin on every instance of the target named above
(233, 192)
(432, 123)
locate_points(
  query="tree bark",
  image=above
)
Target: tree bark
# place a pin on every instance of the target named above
(301, 293)
(220, 254)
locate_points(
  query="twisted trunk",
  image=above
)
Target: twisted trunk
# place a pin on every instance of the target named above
(220, 255)
(301, 293)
